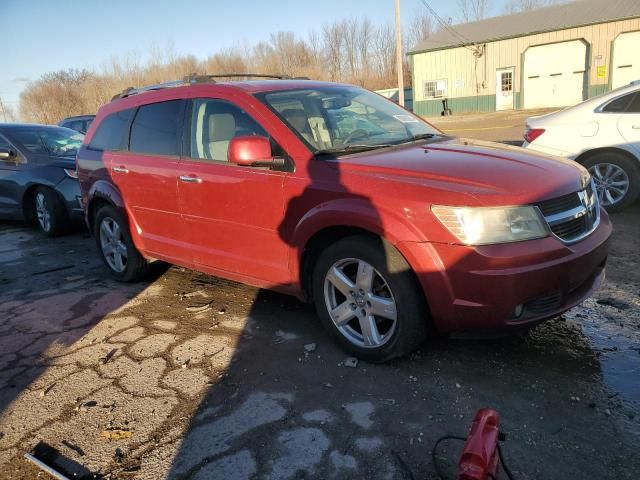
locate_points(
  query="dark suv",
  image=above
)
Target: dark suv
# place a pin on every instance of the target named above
(339, 196)
(80, 123)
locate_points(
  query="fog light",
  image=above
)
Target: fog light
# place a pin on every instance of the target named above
(518, 310)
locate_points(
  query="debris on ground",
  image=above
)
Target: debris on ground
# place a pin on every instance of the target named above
(310, 347)
(351, 362)
(118, 455)
(199, 308)
(47, 390)
(108, 356)
(85, 406)
(116, 434)
(73, 447)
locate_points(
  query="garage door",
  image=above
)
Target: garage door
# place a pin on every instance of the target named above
(555, 75)
(625, 66)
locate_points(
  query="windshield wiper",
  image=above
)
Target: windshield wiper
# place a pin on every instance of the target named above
(421, 136)
(352, 148)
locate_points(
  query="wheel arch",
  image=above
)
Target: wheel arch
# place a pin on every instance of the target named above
(100, 194)
(28, 199)
(319, 228)
(584, 156)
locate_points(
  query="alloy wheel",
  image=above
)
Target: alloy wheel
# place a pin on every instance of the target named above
(42, 212)
(360, 303)
(612, 182)
(113, 245)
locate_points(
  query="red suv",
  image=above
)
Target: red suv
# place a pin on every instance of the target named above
(336, 195)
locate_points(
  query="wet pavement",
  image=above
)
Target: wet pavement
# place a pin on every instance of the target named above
(187, 376)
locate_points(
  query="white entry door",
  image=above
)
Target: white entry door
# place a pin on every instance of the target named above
(504, 88)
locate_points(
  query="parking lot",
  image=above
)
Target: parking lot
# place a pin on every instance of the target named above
(188, 376)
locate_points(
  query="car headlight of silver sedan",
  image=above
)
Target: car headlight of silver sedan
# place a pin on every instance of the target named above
(488, 225)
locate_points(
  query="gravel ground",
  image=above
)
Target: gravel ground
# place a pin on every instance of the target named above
(189, 376)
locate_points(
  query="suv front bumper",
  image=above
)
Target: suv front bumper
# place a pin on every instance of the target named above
(501, 287)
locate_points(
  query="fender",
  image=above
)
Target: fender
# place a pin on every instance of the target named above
(105, 191)
(101, 189)
(351, 212)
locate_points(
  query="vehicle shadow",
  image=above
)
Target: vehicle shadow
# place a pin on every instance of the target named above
(288, 404)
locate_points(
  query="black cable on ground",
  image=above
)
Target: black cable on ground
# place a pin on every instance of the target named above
(434, 451)
(454, 437)
(504, 465)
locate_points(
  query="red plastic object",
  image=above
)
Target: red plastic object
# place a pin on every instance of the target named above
(479, 458)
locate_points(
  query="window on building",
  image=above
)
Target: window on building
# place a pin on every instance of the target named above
(155, 129)
(506, 81)
(435, 88)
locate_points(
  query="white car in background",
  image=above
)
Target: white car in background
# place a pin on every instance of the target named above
(603, 134)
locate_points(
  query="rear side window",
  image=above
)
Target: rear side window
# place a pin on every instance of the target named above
(111, 133)
(156, 129)
(4, 143)
(618, 105)
(634, 107)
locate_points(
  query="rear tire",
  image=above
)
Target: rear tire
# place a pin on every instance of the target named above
(617, 179)
(368, 298)
(122, 259)
(49, 212)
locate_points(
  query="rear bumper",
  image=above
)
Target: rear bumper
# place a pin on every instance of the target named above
(501, 287)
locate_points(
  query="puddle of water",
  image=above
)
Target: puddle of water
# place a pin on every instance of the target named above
(619, 357)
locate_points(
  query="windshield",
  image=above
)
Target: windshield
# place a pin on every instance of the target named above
(342, 118)
(55, 141)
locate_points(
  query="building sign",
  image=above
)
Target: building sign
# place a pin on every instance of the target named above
(601, 71)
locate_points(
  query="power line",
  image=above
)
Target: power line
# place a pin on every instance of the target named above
(464, 42)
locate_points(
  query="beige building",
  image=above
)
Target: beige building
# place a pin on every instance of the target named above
(552, 57)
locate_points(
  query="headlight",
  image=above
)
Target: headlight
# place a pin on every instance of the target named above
(486, 225)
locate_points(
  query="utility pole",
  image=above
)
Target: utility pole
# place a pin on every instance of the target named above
(399, 56)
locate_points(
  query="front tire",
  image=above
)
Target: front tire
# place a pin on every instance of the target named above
(122, 259)
(49, 212)
(617, 179)
(368, 298)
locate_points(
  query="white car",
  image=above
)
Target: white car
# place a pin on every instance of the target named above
(603, 134)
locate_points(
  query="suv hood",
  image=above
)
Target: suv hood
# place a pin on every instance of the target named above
(491, 173)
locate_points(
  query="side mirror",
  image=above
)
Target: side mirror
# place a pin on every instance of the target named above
(7, 154)
(252, 151)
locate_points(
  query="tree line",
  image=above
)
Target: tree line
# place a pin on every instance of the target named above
(354, 51)
(349, 50)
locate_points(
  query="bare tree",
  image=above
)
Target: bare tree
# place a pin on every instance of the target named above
(354, 50)
(6, 112)
(516, 6)
(421, 27)
(473, 10)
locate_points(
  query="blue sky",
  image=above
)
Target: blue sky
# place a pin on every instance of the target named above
(51, 35)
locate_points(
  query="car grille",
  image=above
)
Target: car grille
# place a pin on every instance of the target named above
(572, 217)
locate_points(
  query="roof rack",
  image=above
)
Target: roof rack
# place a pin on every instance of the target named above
(195, 79)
